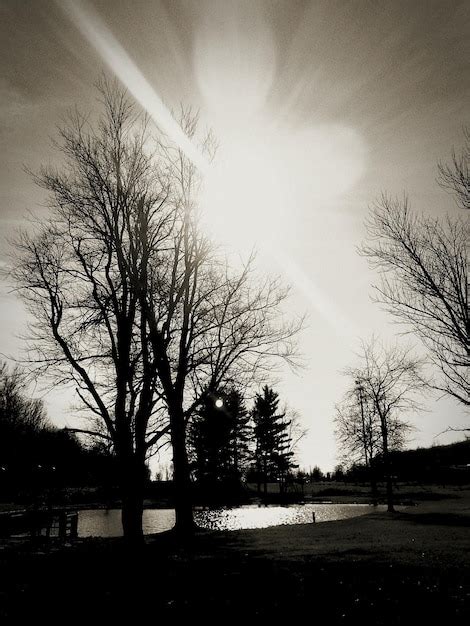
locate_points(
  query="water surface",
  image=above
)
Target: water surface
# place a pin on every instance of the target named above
(107, 523)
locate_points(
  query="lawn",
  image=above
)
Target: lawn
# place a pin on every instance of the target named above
(407, 567)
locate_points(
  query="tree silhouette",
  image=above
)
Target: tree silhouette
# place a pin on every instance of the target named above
(273, 453)
(80, 273)
(391, 382)
(455, 176)
(241, 433)
(209, 323)
(359, 432)
(219, 439)
(130, 302)
(423, 265)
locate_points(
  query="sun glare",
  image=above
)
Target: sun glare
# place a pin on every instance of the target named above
(117, 59)
(234, 61)
(265, 179)
(244, 194)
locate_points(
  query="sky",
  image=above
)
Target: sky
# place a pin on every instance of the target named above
(318, 107)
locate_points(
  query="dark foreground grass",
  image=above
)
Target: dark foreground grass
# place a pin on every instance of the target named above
(410, 567)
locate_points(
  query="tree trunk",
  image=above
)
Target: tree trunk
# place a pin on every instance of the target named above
(131, 516)
(373, 486)
(388, 479)
(388, 469)
(132, 493)
(373, 481)
(390, 507)
(184, 519)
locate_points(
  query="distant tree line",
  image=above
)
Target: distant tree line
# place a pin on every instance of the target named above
(34, 454)
(227, 444)
(447, 464)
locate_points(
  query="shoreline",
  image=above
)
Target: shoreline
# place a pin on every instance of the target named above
(399, 568)
(404, 495)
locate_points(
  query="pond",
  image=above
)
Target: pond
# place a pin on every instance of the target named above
(107, 523)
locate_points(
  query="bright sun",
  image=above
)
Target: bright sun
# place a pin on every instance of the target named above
(266, 174)
(264, 178)
(245, 191)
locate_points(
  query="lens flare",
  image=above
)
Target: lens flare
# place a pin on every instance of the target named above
(234, 62)
(264, 176)
(267, 178)
(117, 59)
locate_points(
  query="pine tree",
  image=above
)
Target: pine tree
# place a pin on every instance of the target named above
(219, 439)
(240, 432)
(273, 454)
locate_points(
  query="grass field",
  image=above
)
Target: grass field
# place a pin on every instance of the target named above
(408, 567)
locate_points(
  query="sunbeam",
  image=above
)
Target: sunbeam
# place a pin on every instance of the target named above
(234, 62)
(263, 173)
(119, 62)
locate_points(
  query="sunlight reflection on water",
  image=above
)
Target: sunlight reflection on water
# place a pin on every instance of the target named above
(263, 517)
(107, 523)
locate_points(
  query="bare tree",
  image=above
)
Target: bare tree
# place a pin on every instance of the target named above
(423, 265)
(210, 323)
(130, 301)
(295, 432)
(455, 176)
(17, 410)
(359, 431)
(80, 272)
(391, 381)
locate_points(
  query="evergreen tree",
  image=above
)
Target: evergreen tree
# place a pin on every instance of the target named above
(273, 454)
(240, 433)
(219, 438)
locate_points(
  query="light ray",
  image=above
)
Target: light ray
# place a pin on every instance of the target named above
(116, 58)
(316, 297)
(234, 62)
